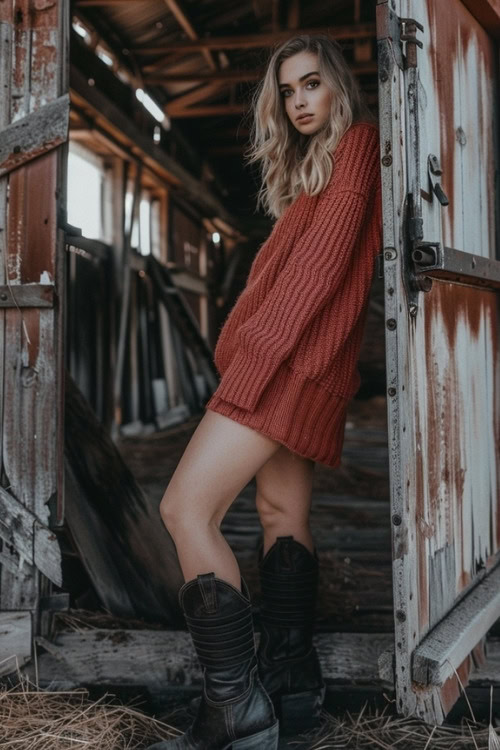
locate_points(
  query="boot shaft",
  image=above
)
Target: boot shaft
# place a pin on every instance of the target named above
(289, 582)
(219, 619)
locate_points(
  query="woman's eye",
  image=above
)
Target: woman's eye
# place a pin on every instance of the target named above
(314, 83)
(286, 92)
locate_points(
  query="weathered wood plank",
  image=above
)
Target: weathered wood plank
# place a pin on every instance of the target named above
(32, 76)
(33, 135)
(162, 660)
(15, 640)
(162, 663)
(29, 421)
(128, 553)
(27, 295)
(35, 543)
(449, 643)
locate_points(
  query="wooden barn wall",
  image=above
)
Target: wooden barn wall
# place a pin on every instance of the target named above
(32, 79)
(442, 345)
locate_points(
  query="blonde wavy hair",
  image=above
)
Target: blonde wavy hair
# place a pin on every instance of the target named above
(291, 161)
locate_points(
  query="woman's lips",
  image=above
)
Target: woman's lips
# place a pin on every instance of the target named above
(304, 118)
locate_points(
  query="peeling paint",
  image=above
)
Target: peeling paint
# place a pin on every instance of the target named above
(446, 355)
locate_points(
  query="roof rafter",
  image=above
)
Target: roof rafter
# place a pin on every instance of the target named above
(179, 14)
(249, 41)
(235, 76)
(192, 97)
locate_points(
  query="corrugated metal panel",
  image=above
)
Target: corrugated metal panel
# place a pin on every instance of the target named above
(442, 345)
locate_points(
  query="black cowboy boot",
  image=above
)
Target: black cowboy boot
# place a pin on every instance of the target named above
(288, 663)
(235, 710)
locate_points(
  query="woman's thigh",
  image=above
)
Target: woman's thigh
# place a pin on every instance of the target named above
(284, 484)
(219, 460)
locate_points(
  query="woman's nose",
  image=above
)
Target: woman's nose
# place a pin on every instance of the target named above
(299, 99)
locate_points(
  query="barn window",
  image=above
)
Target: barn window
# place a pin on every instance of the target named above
(85, 181)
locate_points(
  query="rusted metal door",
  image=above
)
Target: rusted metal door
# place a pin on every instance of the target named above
(438, 92)
(34, 110)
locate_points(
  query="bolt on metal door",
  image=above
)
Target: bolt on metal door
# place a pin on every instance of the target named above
(437, 92)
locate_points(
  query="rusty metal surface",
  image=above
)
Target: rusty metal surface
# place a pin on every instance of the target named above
(442, 350)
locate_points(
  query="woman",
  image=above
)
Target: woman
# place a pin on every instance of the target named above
(287, 356)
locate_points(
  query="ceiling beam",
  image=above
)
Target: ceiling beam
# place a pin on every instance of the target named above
(235, 76)
(224, 76)
(211, 110)
(179, 14)
(252, 41)
(192, 97)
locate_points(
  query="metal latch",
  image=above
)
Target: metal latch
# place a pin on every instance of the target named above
(433, 260)
(434, 171)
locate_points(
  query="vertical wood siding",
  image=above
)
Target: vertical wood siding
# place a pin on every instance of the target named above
(443, 361)
(32, 74)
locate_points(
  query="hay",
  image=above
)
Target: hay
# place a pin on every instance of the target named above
(34, 719)
(383, 731)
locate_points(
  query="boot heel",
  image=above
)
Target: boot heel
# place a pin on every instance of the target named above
(301, 712)
(266, 740)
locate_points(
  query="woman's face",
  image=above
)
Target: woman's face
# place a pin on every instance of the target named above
(306, 97)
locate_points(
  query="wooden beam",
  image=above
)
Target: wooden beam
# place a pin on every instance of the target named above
(234, 76)
(225, 76)
(34, 135)
(215, 110)
(449, 643)
(193, 96)
(252, 41)
(27, 295)
(166, 660)
(179, 14)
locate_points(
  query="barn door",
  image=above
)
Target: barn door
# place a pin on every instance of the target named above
(34, 107)
(437, 90)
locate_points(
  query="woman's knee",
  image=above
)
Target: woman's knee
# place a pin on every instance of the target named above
(180, 510)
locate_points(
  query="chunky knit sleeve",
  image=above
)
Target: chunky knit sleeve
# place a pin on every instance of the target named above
(315, 269)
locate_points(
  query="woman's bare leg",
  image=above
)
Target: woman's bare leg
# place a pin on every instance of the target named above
(284, 488)
(219, 460)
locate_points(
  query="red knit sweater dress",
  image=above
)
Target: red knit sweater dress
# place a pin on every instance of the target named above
(288, 349)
